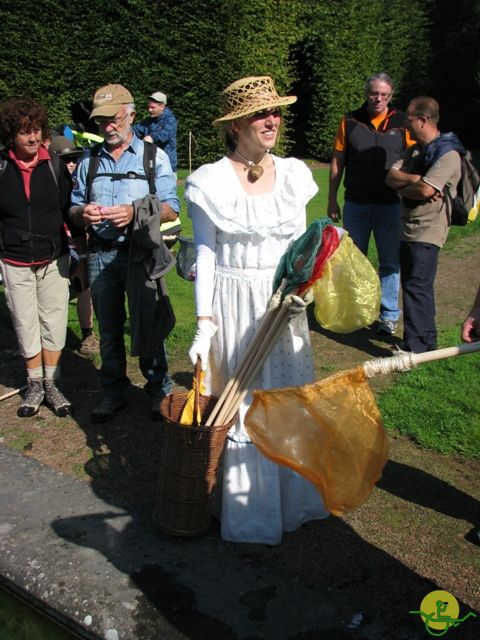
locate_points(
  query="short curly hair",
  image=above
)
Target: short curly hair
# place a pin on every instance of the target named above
(21, 113)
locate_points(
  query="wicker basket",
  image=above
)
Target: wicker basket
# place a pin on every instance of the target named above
(190, 459)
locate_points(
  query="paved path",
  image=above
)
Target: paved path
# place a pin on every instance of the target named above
(108, 573)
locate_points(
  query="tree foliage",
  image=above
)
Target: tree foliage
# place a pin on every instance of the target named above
(321, 50)
(455, 68)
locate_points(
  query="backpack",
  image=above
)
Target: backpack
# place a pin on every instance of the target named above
(149, 157)
(465, 206)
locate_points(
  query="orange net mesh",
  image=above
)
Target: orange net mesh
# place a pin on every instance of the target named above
(330, 432)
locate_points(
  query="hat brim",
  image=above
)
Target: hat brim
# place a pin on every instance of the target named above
(156, 100)
(107, 110)
(255, 108)
(73, 155)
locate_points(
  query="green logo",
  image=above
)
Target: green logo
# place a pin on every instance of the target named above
(439, 611)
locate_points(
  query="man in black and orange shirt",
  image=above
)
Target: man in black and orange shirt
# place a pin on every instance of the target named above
(369, 140)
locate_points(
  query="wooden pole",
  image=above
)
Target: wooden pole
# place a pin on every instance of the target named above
(9, 394)
(189, 152)
(405, 361)
(262, 330)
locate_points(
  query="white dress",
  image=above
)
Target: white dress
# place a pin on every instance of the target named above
(240, 239)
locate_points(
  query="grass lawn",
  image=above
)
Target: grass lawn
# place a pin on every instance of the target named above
(437, 404)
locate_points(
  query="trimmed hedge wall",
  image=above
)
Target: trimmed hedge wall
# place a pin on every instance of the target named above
(60, 52)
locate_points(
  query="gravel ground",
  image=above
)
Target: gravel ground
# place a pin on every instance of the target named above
(414, 534)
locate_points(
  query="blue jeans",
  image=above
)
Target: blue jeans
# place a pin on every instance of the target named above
(108, 278)
(419, 262)
(384, 220)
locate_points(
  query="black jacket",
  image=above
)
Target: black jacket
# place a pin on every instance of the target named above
(33, 230)
(370, 153)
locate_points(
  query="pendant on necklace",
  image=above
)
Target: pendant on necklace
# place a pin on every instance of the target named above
(255, 171)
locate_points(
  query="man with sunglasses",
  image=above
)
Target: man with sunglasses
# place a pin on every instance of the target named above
(105, 206)
(421, 178)
(369, 140)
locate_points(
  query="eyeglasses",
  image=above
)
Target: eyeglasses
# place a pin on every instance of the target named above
(103, 121)
(379, 94)
(69, 159)
(407, 119)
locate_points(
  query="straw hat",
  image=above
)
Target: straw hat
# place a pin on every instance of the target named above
(249, 95)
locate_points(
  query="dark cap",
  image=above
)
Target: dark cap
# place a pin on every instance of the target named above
(62, 146)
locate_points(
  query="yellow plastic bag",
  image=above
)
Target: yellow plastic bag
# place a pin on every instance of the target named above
(330, 432)
(187, 414)
(347, 295)
(473, 213)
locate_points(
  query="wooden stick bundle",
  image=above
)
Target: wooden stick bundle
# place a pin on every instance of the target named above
(260, 346)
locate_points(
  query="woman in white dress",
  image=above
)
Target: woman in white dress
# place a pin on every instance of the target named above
(246, 210)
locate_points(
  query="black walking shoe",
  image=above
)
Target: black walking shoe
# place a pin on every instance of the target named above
(386, 327)
(55, 399)
(32, 400)
(108, 407)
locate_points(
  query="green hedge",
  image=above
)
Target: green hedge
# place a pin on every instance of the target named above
(59, 52)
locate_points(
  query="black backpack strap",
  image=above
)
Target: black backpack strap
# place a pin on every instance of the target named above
(447, 197)
(55, 166)
(149, 158)
(93, 164)
(130, 175)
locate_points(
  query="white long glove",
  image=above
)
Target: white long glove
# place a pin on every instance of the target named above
(299, 304)
(201, 342)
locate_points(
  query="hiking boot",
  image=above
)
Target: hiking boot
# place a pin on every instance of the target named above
(89, 346)
(107, 408)
(387, 327)
(32, 400)
(55, 399)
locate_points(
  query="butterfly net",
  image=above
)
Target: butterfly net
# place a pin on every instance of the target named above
(330, 432)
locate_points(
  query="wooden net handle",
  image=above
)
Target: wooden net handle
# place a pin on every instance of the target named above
(406, 361)
(197, 370)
